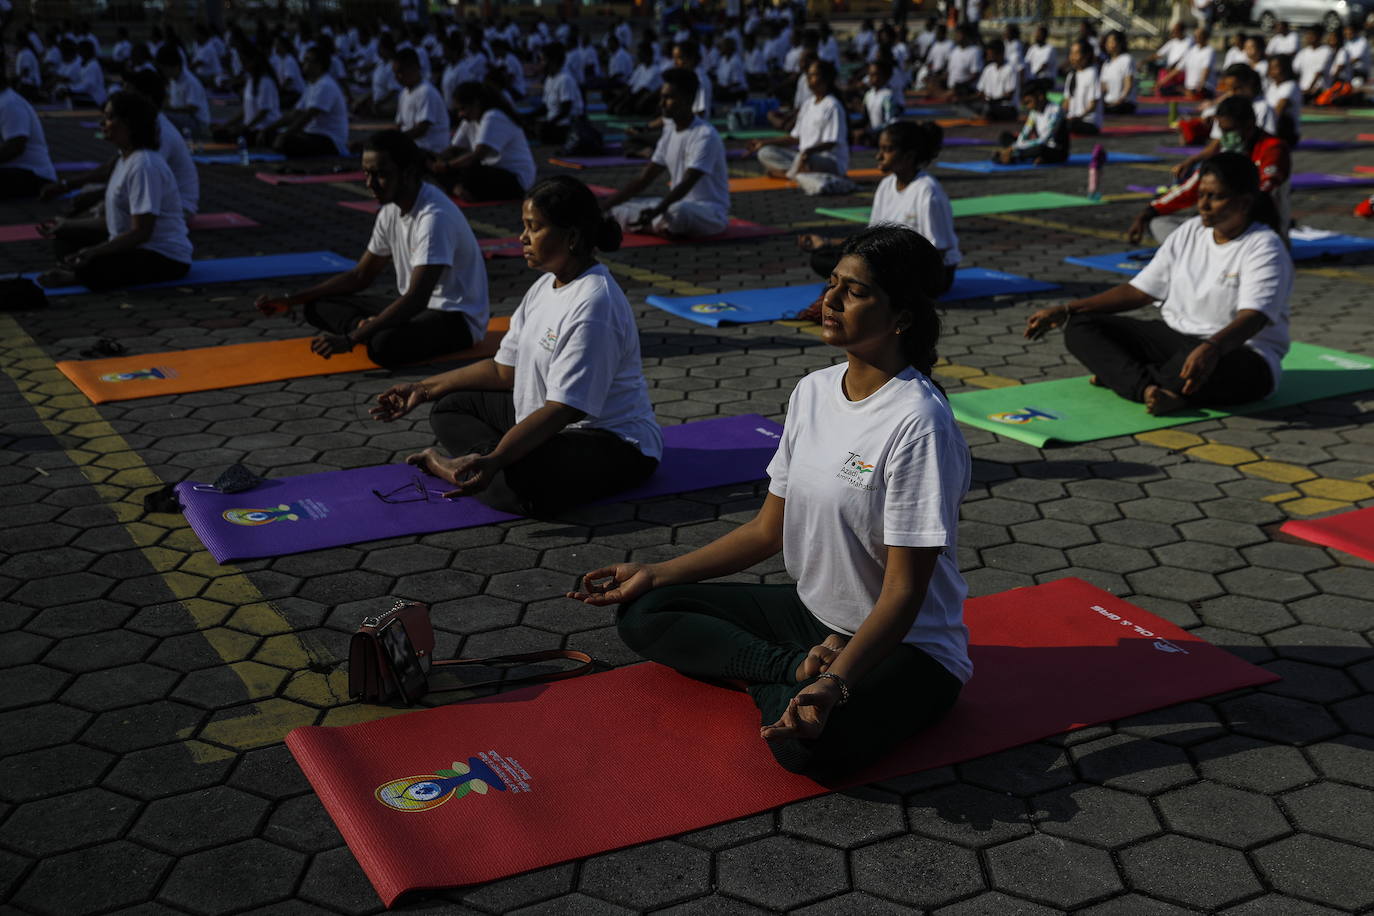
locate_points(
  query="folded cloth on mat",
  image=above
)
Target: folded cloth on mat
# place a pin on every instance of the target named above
(125, 378)
(748, 306)
(984, 165)
(28, 232)
(738, 229)
(315, 511)
(325, 178)
(235, 158)
(656, 754)
(1074, 410)
(232, 270)
(1305, 245)
(979, 206)
(1351, 532)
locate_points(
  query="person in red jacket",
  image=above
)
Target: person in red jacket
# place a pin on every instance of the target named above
(1236, 118)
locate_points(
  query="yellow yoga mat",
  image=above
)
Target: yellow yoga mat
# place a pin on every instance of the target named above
(764, 183)
(125, 378)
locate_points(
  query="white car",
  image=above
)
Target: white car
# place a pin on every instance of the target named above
(1331, 14)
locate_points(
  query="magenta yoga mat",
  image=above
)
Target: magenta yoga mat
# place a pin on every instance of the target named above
(315, 511)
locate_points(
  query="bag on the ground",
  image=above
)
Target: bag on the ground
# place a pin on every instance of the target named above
(391, 657)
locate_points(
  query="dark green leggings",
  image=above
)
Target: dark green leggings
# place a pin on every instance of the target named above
(760, 634)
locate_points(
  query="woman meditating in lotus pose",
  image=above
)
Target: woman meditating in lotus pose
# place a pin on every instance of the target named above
(1222, 280)
(869, 646)
(561, 415)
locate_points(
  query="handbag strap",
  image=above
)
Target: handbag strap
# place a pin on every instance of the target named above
(585, 660)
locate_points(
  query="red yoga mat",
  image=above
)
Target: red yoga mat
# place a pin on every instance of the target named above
(597, 763)
(1118, 130)
(1365, 169)
(326, 178)
(28, 232)
(1352, 532)
(738, 229)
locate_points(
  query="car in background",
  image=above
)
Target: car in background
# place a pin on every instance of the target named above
(1330, 14)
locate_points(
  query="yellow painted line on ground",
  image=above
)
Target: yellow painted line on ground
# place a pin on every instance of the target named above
(680, 287)
(1337, 273)
(252, 636)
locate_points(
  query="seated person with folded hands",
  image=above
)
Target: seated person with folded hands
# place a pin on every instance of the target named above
(692, 154)
(561, 415)
(1222, 281)
(442, 307)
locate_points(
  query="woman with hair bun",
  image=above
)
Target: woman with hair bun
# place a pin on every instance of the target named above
(561, 415)
(869, 646)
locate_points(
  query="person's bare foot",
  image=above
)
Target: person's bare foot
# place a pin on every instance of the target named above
(1095, 382)
(57, 277)
(1161, 400)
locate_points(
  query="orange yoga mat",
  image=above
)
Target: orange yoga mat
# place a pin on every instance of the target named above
(126, 378)
(1365, 169)
(490, 787)
(764, 183)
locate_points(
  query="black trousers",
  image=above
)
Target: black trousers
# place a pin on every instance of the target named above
(1124, 107)
(429, 334)
(574, 467)
(1128, 355)
(115, 271)
(485, 182)
(824, 260)
(760, 634)
(303, 146)
(19, 183)
(1083, 127)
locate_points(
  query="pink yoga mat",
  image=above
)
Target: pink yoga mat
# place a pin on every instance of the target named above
(1352, 532)
(27, 232)
(739, 229)
(597, 763)
(326, 178)
(1121, 130)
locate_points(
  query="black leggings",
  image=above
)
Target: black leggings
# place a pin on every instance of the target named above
(304, 146)
(1083, 127)
(1123, 107)
(823, 261)
(574, 467)
(429, 334)
(484, 182)
(115, 271)
(19, 183)
(759, 634)
(1129, 355)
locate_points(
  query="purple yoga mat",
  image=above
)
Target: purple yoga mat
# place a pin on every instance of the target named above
(1317, 180)
(1143, 188)
(315, 511)
(969, 141)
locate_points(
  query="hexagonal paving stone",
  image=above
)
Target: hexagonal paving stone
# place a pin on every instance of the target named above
(168, 770)
(648, 876)
(1252, 764)
(855, 903)
(1333, 810)
(126, 685)
(1222, 815)
(967, 815)
(135, 727)
(1095, 815)
(1346, 759)
(199, 820)
(1135, 905)
(128, 874)
(1122, 762)
(51, 771)
(1053, 871)
(1315, 868)
(916, 871)
(1190, 872)
(251, 873)
(43, 828)
(781, 872)
(846, 820)
(1023, 770)
(26, 685)
(1279, 719)
(508, 894)
(335, 880)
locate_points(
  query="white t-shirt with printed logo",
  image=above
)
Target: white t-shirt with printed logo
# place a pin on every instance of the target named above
(142, 183)
(1202, 285)
(498, 131)
(698, 147)
(436, 232)
(419, 104)
(922, 205)
(578, 345)
(887, 471)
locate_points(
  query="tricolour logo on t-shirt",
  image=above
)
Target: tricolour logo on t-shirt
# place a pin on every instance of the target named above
(549, 340)
(856, 472)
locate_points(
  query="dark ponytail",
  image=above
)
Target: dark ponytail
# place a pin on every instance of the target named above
(923, 140)
(569, 204)
(1238, 175)
(909, 270)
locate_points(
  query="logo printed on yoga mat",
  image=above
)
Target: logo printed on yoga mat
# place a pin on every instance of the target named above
(1342, 362)
(1159, 643)
(487, 771)
(1023, 416)
(285, 512)
(713, 308)
(138, 374)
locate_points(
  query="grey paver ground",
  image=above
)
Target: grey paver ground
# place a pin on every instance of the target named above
(126, 664)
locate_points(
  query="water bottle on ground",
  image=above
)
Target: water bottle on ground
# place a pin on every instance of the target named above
(243, 150)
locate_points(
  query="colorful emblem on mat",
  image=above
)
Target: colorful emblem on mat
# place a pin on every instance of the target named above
(139, 374)
(428, 791)
(1022, 416)
(1342, 362)
(285, 512)
(713, 308)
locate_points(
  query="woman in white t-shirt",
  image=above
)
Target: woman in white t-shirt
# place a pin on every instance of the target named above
(1222, 280)
(142, 238)
(869, 646)
(561, 415)
(261, 105)
(907, 196)
(1284, 96)
(821, 133)
(488, 157)
(1118, 76)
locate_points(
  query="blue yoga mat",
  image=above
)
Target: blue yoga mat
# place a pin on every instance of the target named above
(235, 158)
(1075, 159)
(74, 166)
(230, 270)
(747, 306)
(1132, 262)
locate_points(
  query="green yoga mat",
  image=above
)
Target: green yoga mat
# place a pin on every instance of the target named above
(1306, 118)
(1072, 410)
(979, 206)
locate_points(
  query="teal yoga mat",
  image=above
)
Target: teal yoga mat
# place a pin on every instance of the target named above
(230, 270)
(980, 206)
(1072, 410)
